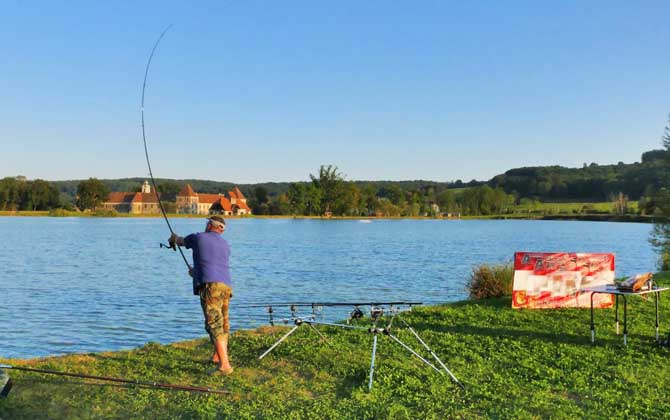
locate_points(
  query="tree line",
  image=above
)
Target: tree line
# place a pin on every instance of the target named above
(17, 193)
(329, 193)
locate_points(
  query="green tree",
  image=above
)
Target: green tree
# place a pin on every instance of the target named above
(368, 200)
(469, 201)
(168, 190)
(330, 183)
(314, 198)
(10, 194)
(91, 193)
(660, 234)
(297, 198)
(282, 204)
(396, 195)
(261, 195)
(43, 195)
(348, 202)
(259, 201)
(447, 201)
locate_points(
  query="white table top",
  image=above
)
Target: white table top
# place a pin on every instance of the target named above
(612, 289)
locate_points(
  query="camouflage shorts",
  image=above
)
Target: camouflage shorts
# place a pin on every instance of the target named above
(214, 299)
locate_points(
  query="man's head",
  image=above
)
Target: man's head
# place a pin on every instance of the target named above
(215, 224)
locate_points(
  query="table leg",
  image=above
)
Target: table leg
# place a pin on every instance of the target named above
(625, 321)
(616, 313)
(593, 327)
(656, 295)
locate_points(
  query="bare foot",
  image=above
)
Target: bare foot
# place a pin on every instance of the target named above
(221, 371)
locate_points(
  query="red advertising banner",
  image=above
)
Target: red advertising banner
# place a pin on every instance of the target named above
(545, 280)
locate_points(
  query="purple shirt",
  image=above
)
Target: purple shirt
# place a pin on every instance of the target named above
(211, 255)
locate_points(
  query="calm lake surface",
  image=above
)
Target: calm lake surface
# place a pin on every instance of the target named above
(91, 284)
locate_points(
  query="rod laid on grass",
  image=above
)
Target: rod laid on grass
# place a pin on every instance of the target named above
(6, 382)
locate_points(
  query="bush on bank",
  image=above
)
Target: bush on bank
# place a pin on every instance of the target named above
(491, 280)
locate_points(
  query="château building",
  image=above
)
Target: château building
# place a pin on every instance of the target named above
(190, 202)
(144, 202)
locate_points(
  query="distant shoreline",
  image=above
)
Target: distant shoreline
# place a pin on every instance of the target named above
(566, 217)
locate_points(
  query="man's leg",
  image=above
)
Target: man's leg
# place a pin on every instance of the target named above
(221, 344)
(221, 350)
(215, 307)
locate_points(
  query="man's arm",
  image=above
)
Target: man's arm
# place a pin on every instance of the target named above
(176, 239)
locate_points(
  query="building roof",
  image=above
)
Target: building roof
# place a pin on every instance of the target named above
(243, 205)
(208, 198)
(120, 197)
(129, 197)
(236, 193)
(151, 197)
(225, 204)
(187, 191)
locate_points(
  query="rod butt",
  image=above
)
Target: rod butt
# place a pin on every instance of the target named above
(5, 384)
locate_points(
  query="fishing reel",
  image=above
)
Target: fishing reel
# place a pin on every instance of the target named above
(376, 312)
(356, 313)
(172, 247)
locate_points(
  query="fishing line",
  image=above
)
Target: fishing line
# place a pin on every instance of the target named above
(146, 150)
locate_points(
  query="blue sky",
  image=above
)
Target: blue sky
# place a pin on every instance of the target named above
(251, 91)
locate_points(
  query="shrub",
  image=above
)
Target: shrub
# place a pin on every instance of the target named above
(105, 213)
(487, 281)
(61, 212)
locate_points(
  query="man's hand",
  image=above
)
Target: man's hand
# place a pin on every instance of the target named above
(173, 241)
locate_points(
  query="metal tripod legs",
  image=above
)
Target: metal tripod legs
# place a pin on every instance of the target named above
(372, 363)
(284, 337)
(298, 322)
(375, 331)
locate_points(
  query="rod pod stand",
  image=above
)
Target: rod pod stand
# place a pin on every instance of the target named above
(432, 353)
(374, 330)
(298, 322)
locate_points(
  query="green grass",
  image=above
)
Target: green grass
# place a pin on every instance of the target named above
(531, 364)
(574, 208)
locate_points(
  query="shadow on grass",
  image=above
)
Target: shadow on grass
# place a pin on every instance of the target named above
(496, 332)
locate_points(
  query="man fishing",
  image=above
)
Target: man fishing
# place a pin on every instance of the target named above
(211, 276)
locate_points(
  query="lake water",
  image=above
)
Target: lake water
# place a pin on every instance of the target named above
(91, 284)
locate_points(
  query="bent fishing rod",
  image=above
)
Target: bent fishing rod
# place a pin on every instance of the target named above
(146, 150)
(6, 384)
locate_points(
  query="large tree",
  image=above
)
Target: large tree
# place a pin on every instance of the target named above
(168, 190)
(331, 183)
(43, 195)
(10, 194)
(91, 193)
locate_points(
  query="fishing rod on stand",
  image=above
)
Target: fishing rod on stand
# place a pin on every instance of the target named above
(378, 312)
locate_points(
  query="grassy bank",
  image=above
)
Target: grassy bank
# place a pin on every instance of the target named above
(515, 364)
